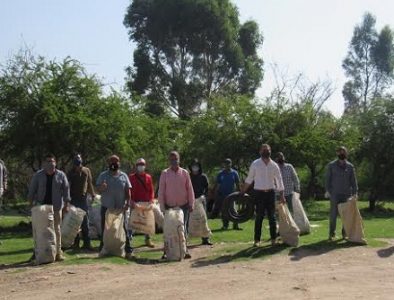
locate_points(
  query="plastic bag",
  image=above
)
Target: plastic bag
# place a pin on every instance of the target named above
(299, 215)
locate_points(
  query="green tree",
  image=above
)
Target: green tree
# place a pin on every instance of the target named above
(368, 64)
(189, 50)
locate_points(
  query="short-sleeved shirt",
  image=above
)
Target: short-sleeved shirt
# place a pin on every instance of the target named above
(227, 181)
(114, 196)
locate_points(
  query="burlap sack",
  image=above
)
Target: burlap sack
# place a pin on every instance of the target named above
(114, 237)
(198, 223)
(352, 221)
(299, 215)
(288, 229)
(159, 216)
(71, 225)
(174, 235)
(43, 234)
(142, 219)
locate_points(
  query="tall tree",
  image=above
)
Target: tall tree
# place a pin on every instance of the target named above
(188, 50)
(368, 64)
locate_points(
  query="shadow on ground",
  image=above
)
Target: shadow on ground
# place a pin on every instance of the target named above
(385, 253)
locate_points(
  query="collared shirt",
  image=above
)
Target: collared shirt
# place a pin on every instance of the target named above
(175, 188)
(118, 186)
(341, 179)
(80, 183)
(265, 176)
(290, 179)
(142, 187)
(60, 189)
(227, 179)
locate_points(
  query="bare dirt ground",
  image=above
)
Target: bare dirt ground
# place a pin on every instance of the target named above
(351, 273)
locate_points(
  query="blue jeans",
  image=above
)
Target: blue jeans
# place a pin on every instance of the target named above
(83, 204)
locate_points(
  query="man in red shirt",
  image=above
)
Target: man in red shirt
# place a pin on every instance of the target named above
(142, 190)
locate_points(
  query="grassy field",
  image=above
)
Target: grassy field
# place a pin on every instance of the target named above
(16, 241)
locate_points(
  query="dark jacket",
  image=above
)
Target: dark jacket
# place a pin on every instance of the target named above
(199, 181)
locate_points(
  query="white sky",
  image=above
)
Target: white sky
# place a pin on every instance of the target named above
(308, 36)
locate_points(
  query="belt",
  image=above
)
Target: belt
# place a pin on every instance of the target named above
(264, 191)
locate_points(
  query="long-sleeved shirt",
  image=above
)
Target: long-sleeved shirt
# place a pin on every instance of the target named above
(80, 183)
(341, 178)
(175, 189)
(200, 185)
(265, 176)
(118, 189)
(142, 187)
(60, 189)
(290, 179)
(3, 177)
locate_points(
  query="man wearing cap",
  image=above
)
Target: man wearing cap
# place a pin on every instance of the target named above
(341, 184)
(226, 182)
(265, 174)
(142, 190)
(176, 190)
(114, 186)
(290, 179)
(80, 179)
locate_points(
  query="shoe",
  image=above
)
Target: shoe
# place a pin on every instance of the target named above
(149, 244)
(332, 238)
(256, 244)
(274, 242)
(164, 256)
(206, 242)
(60, 257)
(237, 228)
(224, 228)
(187, 256)
(88, 248)
(130, 256)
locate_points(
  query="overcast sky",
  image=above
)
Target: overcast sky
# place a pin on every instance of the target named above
(308, 36)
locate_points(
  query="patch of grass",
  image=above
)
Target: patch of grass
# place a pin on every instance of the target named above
(17, 245)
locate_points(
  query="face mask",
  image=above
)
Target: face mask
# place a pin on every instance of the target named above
(141, 169)
(174, 162)
(195, 169)
(265, 154)
(342, 156)
(114, 166)
(280, 160)
(50, 166)
(77, 162)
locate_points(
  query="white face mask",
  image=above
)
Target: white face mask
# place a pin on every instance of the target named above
(141, 168)
(195, 169)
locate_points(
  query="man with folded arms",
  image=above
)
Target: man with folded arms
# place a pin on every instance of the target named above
(265, 174)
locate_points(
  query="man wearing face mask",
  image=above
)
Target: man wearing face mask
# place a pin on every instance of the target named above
(341, 184)
(290, 179)
(142, 190)
(200, 187)
(50, 186)
(80, 179)
(176, 190)
(265, 174)
(226, 182)
(114, 186)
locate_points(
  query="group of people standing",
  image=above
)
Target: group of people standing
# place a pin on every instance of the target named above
(267, 181)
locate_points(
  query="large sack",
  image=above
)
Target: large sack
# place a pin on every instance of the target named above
(288, 229)
(198, 223)
(142, 219)
(299, 215)
(159, 216)
(71, 224)
(43, 234)
(114, 237)
(174, 235)
(94, 213)
(352, 221)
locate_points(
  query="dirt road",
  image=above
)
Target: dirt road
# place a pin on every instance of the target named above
(351, 273)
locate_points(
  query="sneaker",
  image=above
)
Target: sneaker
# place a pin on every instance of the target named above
(149, 244)
(60, 257)
(130, 256)
(256, 244)
(187, 256)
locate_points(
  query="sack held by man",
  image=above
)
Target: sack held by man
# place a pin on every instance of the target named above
(198, 224)
(71, 225)
(288, 229)
(142, 219)
(352, 221)
(299, 215)
(174, 236)
(114, 236)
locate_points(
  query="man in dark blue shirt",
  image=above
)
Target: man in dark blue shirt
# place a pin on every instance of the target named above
(226, 182)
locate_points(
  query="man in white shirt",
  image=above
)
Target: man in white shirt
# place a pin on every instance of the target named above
(266, 176)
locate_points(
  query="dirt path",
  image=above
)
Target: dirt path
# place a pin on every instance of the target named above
(351, 273)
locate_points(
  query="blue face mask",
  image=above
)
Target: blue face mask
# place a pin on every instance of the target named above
(77, 162)
(174, 162)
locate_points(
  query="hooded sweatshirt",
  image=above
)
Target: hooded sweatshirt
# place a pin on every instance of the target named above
(199, 181)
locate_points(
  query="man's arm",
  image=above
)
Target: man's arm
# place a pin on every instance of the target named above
(33, 187)
(162, 190)
(90, 183)
(249, 179)
(328, 179)
(237, 181)
(296, 180)
(151, 188)
(127, 193)
(205, 185)
(190, 191)
(66, 190)
(353, 182)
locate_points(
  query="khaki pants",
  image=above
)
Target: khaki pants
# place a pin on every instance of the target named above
(57, 216)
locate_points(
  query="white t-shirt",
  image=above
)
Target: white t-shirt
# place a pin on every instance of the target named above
(265, 176)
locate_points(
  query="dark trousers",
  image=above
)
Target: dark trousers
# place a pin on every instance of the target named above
(83, 204)
(128, 248)
(264, 203)
(218, 207)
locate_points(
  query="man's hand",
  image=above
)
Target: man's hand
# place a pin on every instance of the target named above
(190, 208)
(126, 206)
(327, 195)
(282, 199)
(66, 208)
(103, 187)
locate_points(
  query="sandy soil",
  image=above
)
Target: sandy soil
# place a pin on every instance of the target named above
(350, 273)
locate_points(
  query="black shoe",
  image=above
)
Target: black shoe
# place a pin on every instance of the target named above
(88, 248)
(235, 227)
(187, 256)
(205, 241)
(164, 256)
